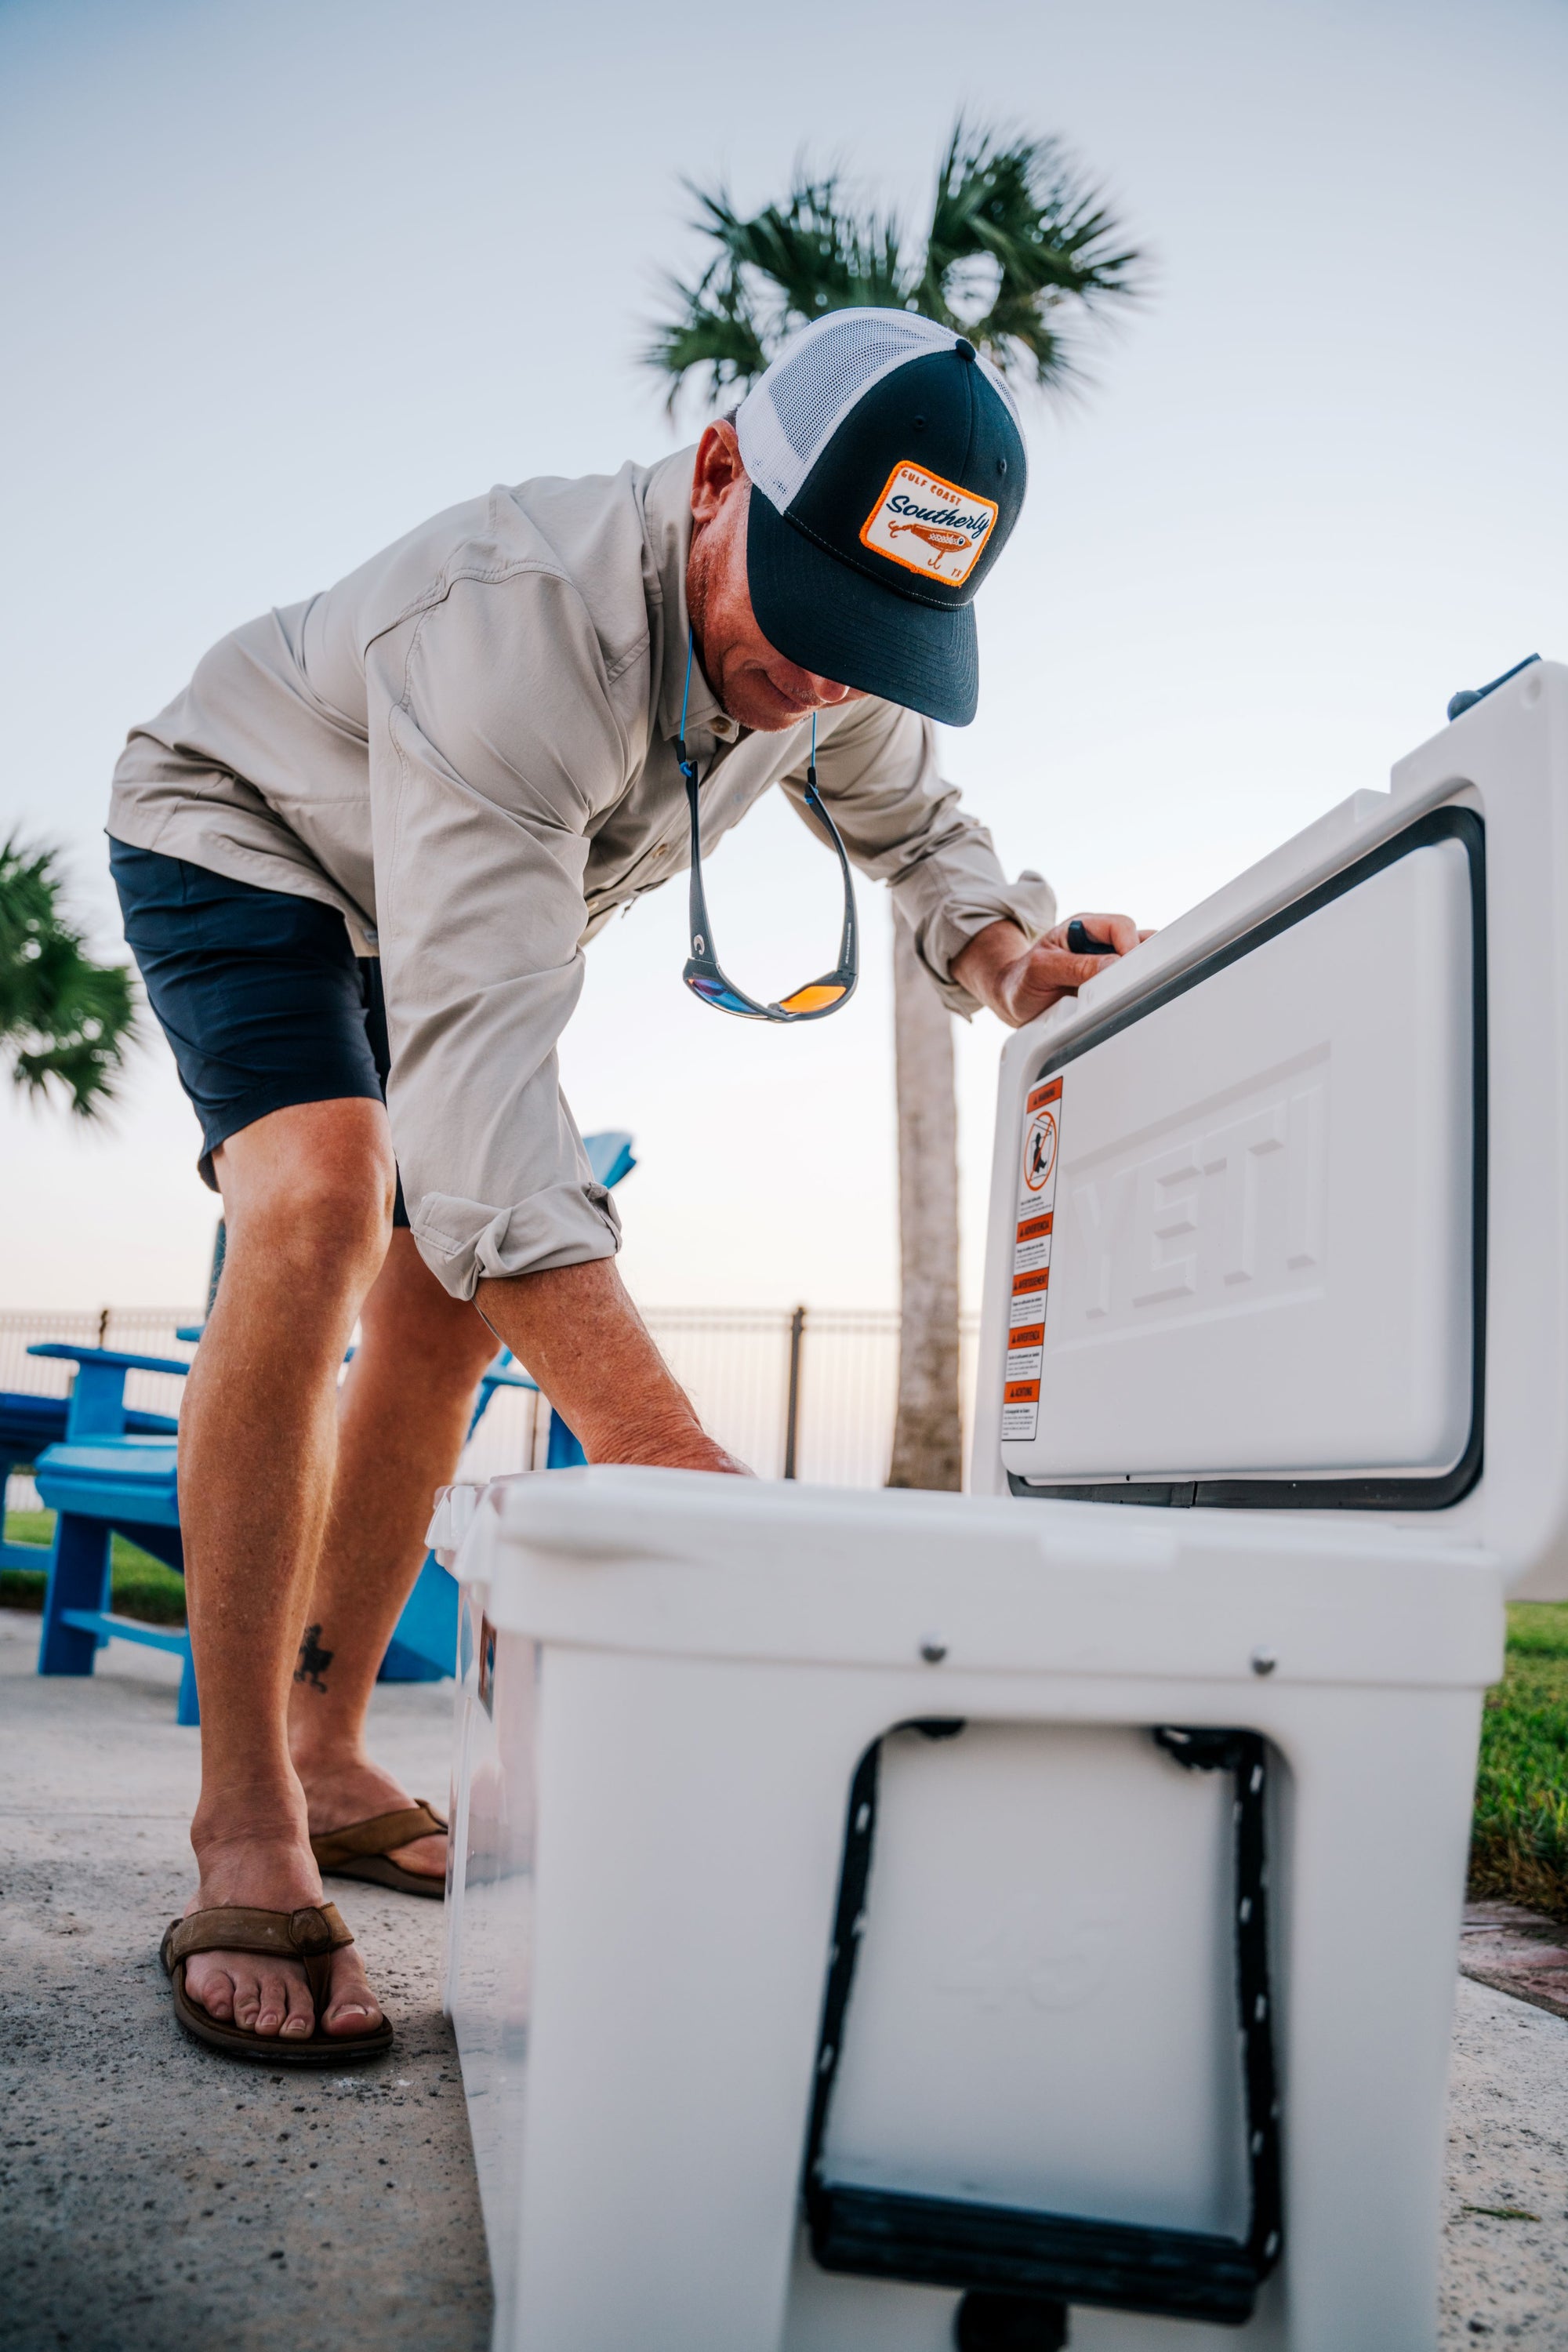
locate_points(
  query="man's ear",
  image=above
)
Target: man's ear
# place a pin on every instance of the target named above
(717, 471)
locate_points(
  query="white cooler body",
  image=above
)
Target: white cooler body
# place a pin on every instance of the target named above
(829, 1932)
(669, 1684)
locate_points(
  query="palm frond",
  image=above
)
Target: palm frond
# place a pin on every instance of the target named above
(1021, 249)
(774, 272)
(1047, 238)
(812, 252)
(66, 1019)
(715, 329)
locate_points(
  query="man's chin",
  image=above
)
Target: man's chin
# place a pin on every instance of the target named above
(762, 708)
(752, 699)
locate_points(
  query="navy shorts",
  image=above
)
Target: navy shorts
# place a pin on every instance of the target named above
(259, 992)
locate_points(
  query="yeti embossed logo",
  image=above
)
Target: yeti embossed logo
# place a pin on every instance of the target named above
(1221, 1220)
(929, 525)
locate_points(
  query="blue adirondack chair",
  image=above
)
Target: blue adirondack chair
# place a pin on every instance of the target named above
(28, 1425)
(106, 1476)
(101, 1481)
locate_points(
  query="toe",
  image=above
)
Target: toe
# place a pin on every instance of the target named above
(274, 2002)
(211, 1989)
(354, 2008)
(355, 2013)
(299, 2022)
(247, 1993)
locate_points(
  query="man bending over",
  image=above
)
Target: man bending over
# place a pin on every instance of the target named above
(359, 858)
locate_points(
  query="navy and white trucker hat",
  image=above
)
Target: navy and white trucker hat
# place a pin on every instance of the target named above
(888, 470)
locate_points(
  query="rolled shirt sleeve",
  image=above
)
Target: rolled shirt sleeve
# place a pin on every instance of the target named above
(480, 834)
(904, 825)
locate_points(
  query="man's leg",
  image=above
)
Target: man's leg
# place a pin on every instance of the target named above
(403, 1416)
(308, 1199)
(307, 1193)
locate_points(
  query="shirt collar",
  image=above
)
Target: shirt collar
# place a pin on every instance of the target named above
(666, 506)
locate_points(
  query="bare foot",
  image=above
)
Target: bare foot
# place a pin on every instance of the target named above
(248, 1988)
(341, 1789)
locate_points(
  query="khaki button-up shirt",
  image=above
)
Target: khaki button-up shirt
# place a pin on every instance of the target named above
(467, 746)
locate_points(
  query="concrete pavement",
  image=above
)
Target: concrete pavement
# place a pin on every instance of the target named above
(152, 2195)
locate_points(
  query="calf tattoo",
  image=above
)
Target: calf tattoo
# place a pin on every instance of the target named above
(313, 1660)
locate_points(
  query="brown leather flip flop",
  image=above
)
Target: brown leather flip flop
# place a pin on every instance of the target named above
(310, 1935)
(361, 1850)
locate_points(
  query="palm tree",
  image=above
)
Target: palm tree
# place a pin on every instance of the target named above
(1019, 252)
(65, 1021)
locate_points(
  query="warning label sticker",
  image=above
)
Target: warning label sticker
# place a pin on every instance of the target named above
(1032, 1260)
(1031, 1249)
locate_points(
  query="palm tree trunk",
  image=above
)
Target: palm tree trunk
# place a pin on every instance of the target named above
(928, 1438)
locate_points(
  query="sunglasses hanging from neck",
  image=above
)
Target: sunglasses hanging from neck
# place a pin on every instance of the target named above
(702, 974)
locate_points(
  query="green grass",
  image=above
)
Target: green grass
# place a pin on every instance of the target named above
(1519, 1847)
(140, 1585)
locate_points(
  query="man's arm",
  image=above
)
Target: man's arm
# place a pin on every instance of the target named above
(903, 823)
(1019, 982)
(578, 1331)
(983, 940)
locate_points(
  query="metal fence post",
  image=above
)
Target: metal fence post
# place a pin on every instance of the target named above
(792, 1409)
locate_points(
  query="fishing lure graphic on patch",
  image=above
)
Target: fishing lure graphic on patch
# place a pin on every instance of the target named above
(929, 525)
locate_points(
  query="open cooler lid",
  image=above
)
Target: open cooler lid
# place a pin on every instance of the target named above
(1275, 1216)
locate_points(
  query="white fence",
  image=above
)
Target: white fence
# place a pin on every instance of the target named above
(734, 1362)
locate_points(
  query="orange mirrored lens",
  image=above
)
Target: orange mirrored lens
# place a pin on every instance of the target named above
(810, 1000)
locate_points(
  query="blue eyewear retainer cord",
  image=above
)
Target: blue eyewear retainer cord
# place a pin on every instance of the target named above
(688, 765)
(707, 973)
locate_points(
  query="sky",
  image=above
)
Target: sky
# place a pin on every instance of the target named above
(278, 280)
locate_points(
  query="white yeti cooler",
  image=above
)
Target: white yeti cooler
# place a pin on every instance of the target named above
(896, 1920)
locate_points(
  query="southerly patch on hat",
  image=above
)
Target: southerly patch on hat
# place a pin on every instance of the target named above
(929, 525)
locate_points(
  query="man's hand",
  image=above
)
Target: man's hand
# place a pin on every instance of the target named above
(1019, 981)
(586, 1344)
